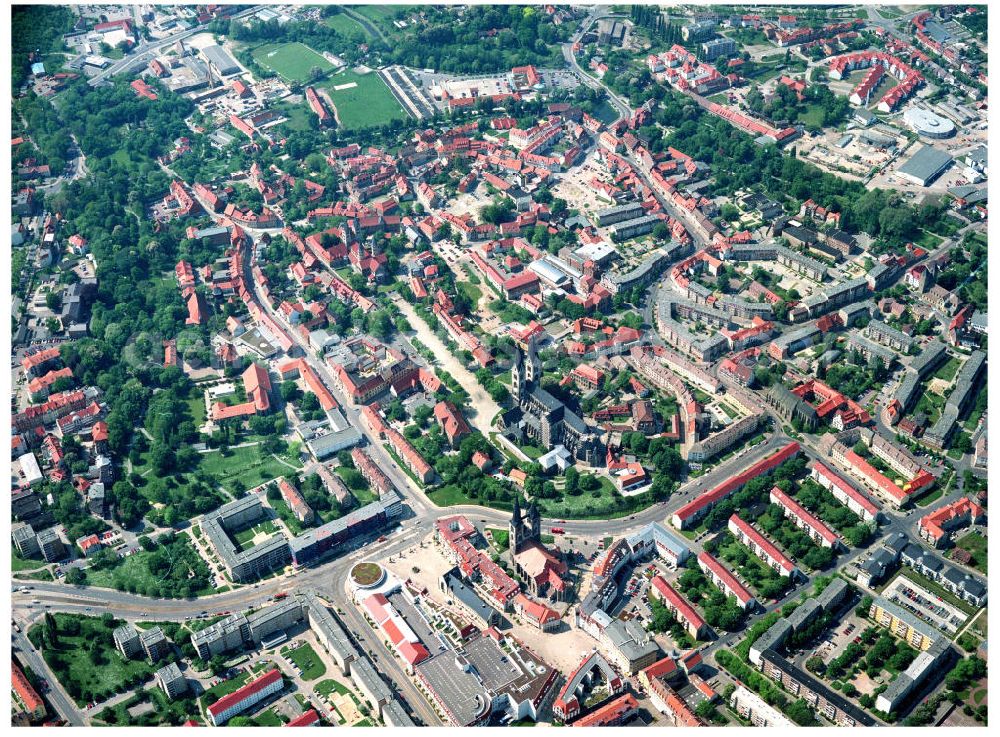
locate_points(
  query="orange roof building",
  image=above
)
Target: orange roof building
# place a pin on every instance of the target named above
(26, 694)
(937, 526)
(258, 386)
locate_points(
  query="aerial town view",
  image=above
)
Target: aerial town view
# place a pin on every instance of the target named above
(499, 365)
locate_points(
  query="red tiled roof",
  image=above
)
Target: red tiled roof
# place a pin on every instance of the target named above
(307, 719)
(684, 609)
(230, 700)
(19, 682)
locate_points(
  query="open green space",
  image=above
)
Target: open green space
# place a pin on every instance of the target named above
(928, 240)
(246, 465)
(345, 25)
(293, 61)
(224, 688)
(165, 711)
(948, 370)
(235, 469)
(197, 406)
(380, 13)
(470, 290)
(298, 116)
(307, 661)
(501, 538)
(171, 570)
(367, 103)
(81, 653)
(932, 497)
(976, 545)
(329, 686)
(268, 718)
(17, 563)
(813, 116)
(359, 487)
(244, 538)
(41, 575)
(601, 502)
(533, 451)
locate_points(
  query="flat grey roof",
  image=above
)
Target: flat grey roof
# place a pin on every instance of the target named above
(926, 163)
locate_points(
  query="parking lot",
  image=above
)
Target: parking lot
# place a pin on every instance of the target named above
(925, 605)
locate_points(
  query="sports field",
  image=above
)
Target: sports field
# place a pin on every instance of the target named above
(363, 101)
(290, 60)
(345, 25)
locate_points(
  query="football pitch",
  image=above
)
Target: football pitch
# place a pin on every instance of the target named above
(290, 60)
(363, 100)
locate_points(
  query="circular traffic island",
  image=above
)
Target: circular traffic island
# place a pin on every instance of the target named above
(367, 575)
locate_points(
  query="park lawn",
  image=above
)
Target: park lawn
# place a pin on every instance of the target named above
(345, 25)
(197, 407)
(132, 573)
(975, 544)
(470, 290)
(812, 116)
(290, 60)
(367, 104)
(949, 369)
(306, 660)
(43, 575)
(328, 686)
(17, 563)
(501, 538)
(298, 116)
(928, 240)
(244, 537)
(246, 465)
(72, 664)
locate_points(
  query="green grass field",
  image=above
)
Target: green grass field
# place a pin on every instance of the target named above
(975, 544)
(298, 116)
(245, 537)
(367, 104)
(74, 666)
(380, 13)
(345, 25)
(17, 563)
(306, 660)
(290, 60)
(132, 573)
(248, 465)
(197, 406)
(470, 290)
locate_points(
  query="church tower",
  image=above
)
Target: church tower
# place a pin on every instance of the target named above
(517, 379)
(533, 524)
(533, 367)
(516, 526)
